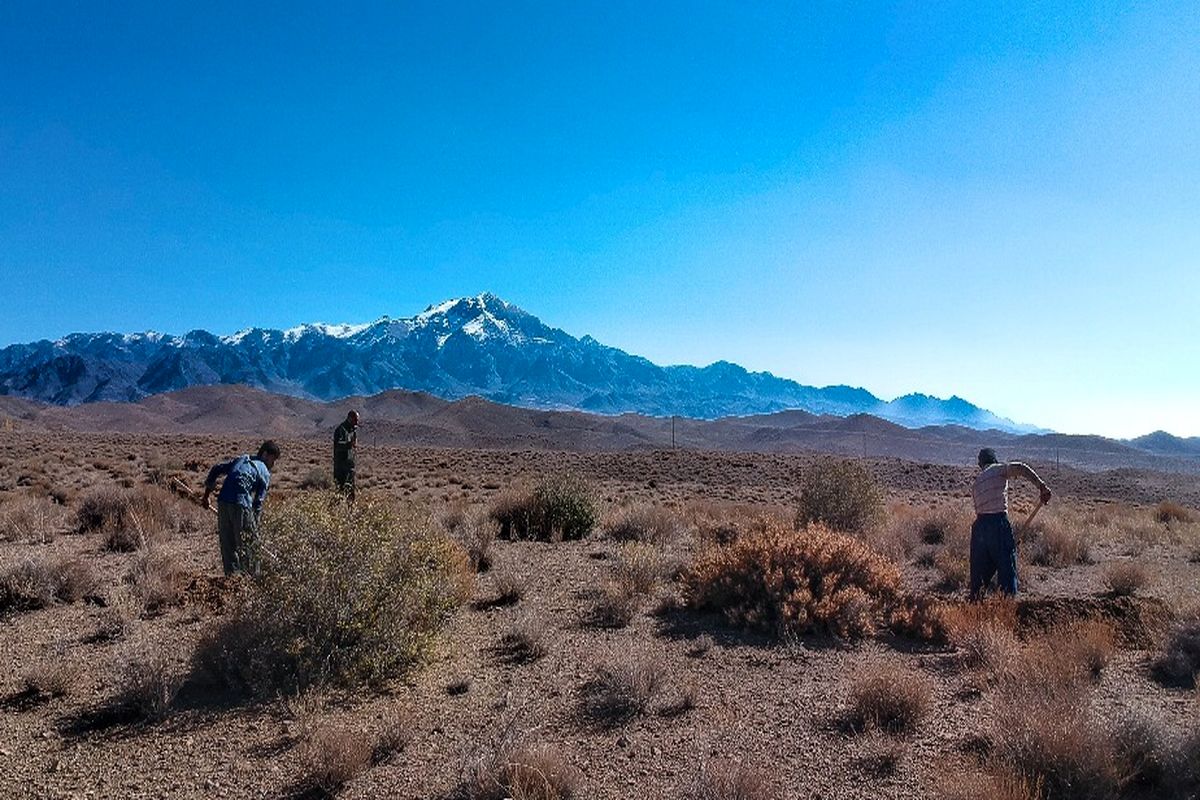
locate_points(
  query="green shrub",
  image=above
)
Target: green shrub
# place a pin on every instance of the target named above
(796, 581)
(842, 495)
(559, 508)
(348, 595)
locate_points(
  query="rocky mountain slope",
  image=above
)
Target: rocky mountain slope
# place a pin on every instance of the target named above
(469, 346)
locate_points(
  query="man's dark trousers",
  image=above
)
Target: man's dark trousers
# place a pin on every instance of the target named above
(993, 552)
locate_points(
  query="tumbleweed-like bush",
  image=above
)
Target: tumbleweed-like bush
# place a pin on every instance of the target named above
(348, 595)
(796, 581)
(842, 495)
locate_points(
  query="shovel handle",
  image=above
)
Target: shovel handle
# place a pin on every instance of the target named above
(1029, 519)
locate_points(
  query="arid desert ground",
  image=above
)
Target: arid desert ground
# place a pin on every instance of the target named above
(635, 661)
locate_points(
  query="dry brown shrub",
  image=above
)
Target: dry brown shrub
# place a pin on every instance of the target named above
(1057, 544)
(954, 569)
(158, 581)
(147, 681)
(994, 784)
(331, 756)
(616, 605)
(920, 617)
(644, 522)
(797, 581)
(36, 520)
(725, 779)
(1179, 663)
(1126, 578)
(523, 643)
(621, 691)
(888, 697)
(640, 566)
(1091, 644)
(33, 584)
(1167, 512)
(518, 770)
(57, 676)
(476, 531)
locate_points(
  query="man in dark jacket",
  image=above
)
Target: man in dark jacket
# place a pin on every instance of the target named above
(239, 505)
(345, 438)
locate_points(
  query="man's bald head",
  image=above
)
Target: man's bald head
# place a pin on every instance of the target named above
(352, 418)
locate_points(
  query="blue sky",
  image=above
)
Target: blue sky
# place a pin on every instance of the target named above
(997, 202)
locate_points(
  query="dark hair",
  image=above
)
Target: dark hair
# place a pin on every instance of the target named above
(987, 456)
(268, 448)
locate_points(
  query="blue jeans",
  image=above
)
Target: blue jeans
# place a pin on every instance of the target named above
(993, 552)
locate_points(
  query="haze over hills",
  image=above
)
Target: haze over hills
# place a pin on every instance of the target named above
(479, 345)
(418, 419)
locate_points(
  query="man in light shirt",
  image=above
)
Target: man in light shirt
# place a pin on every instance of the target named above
(993, 548)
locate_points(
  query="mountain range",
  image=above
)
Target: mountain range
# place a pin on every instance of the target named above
(473, 346)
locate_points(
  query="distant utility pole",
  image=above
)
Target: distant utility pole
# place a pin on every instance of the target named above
(672, 431)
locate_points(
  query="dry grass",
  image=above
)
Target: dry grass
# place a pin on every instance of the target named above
(510, 588)
(33, 584)
(954, 568)
(476, 532)
(725, 779)
(640, 566)
(621, 691)
(57, 676)
(562, 507)
(888, 697)
(523, 643)
(1179, 663)
(1126, 578)
(1058, 544)
(158, 581)
(984, 634)
(331, 756)
(796, 581)
(37, 520)
(1090, 644)
(147, 681)
(616, 605)
(643, 522)
(1168, 512)
(131, 519)
(518, 770)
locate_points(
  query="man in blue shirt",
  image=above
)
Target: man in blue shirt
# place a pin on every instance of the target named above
(239, 504)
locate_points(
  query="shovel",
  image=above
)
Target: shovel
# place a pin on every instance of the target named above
(1025, 525)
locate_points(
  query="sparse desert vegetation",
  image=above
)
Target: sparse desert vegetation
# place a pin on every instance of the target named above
(480, 626)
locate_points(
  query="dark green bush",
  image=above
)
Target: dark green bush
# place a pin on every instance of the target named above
(559, 508)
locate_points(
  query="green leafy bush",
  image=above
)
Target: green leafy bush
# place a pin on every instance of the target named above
(559, 508)
(348, 595)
